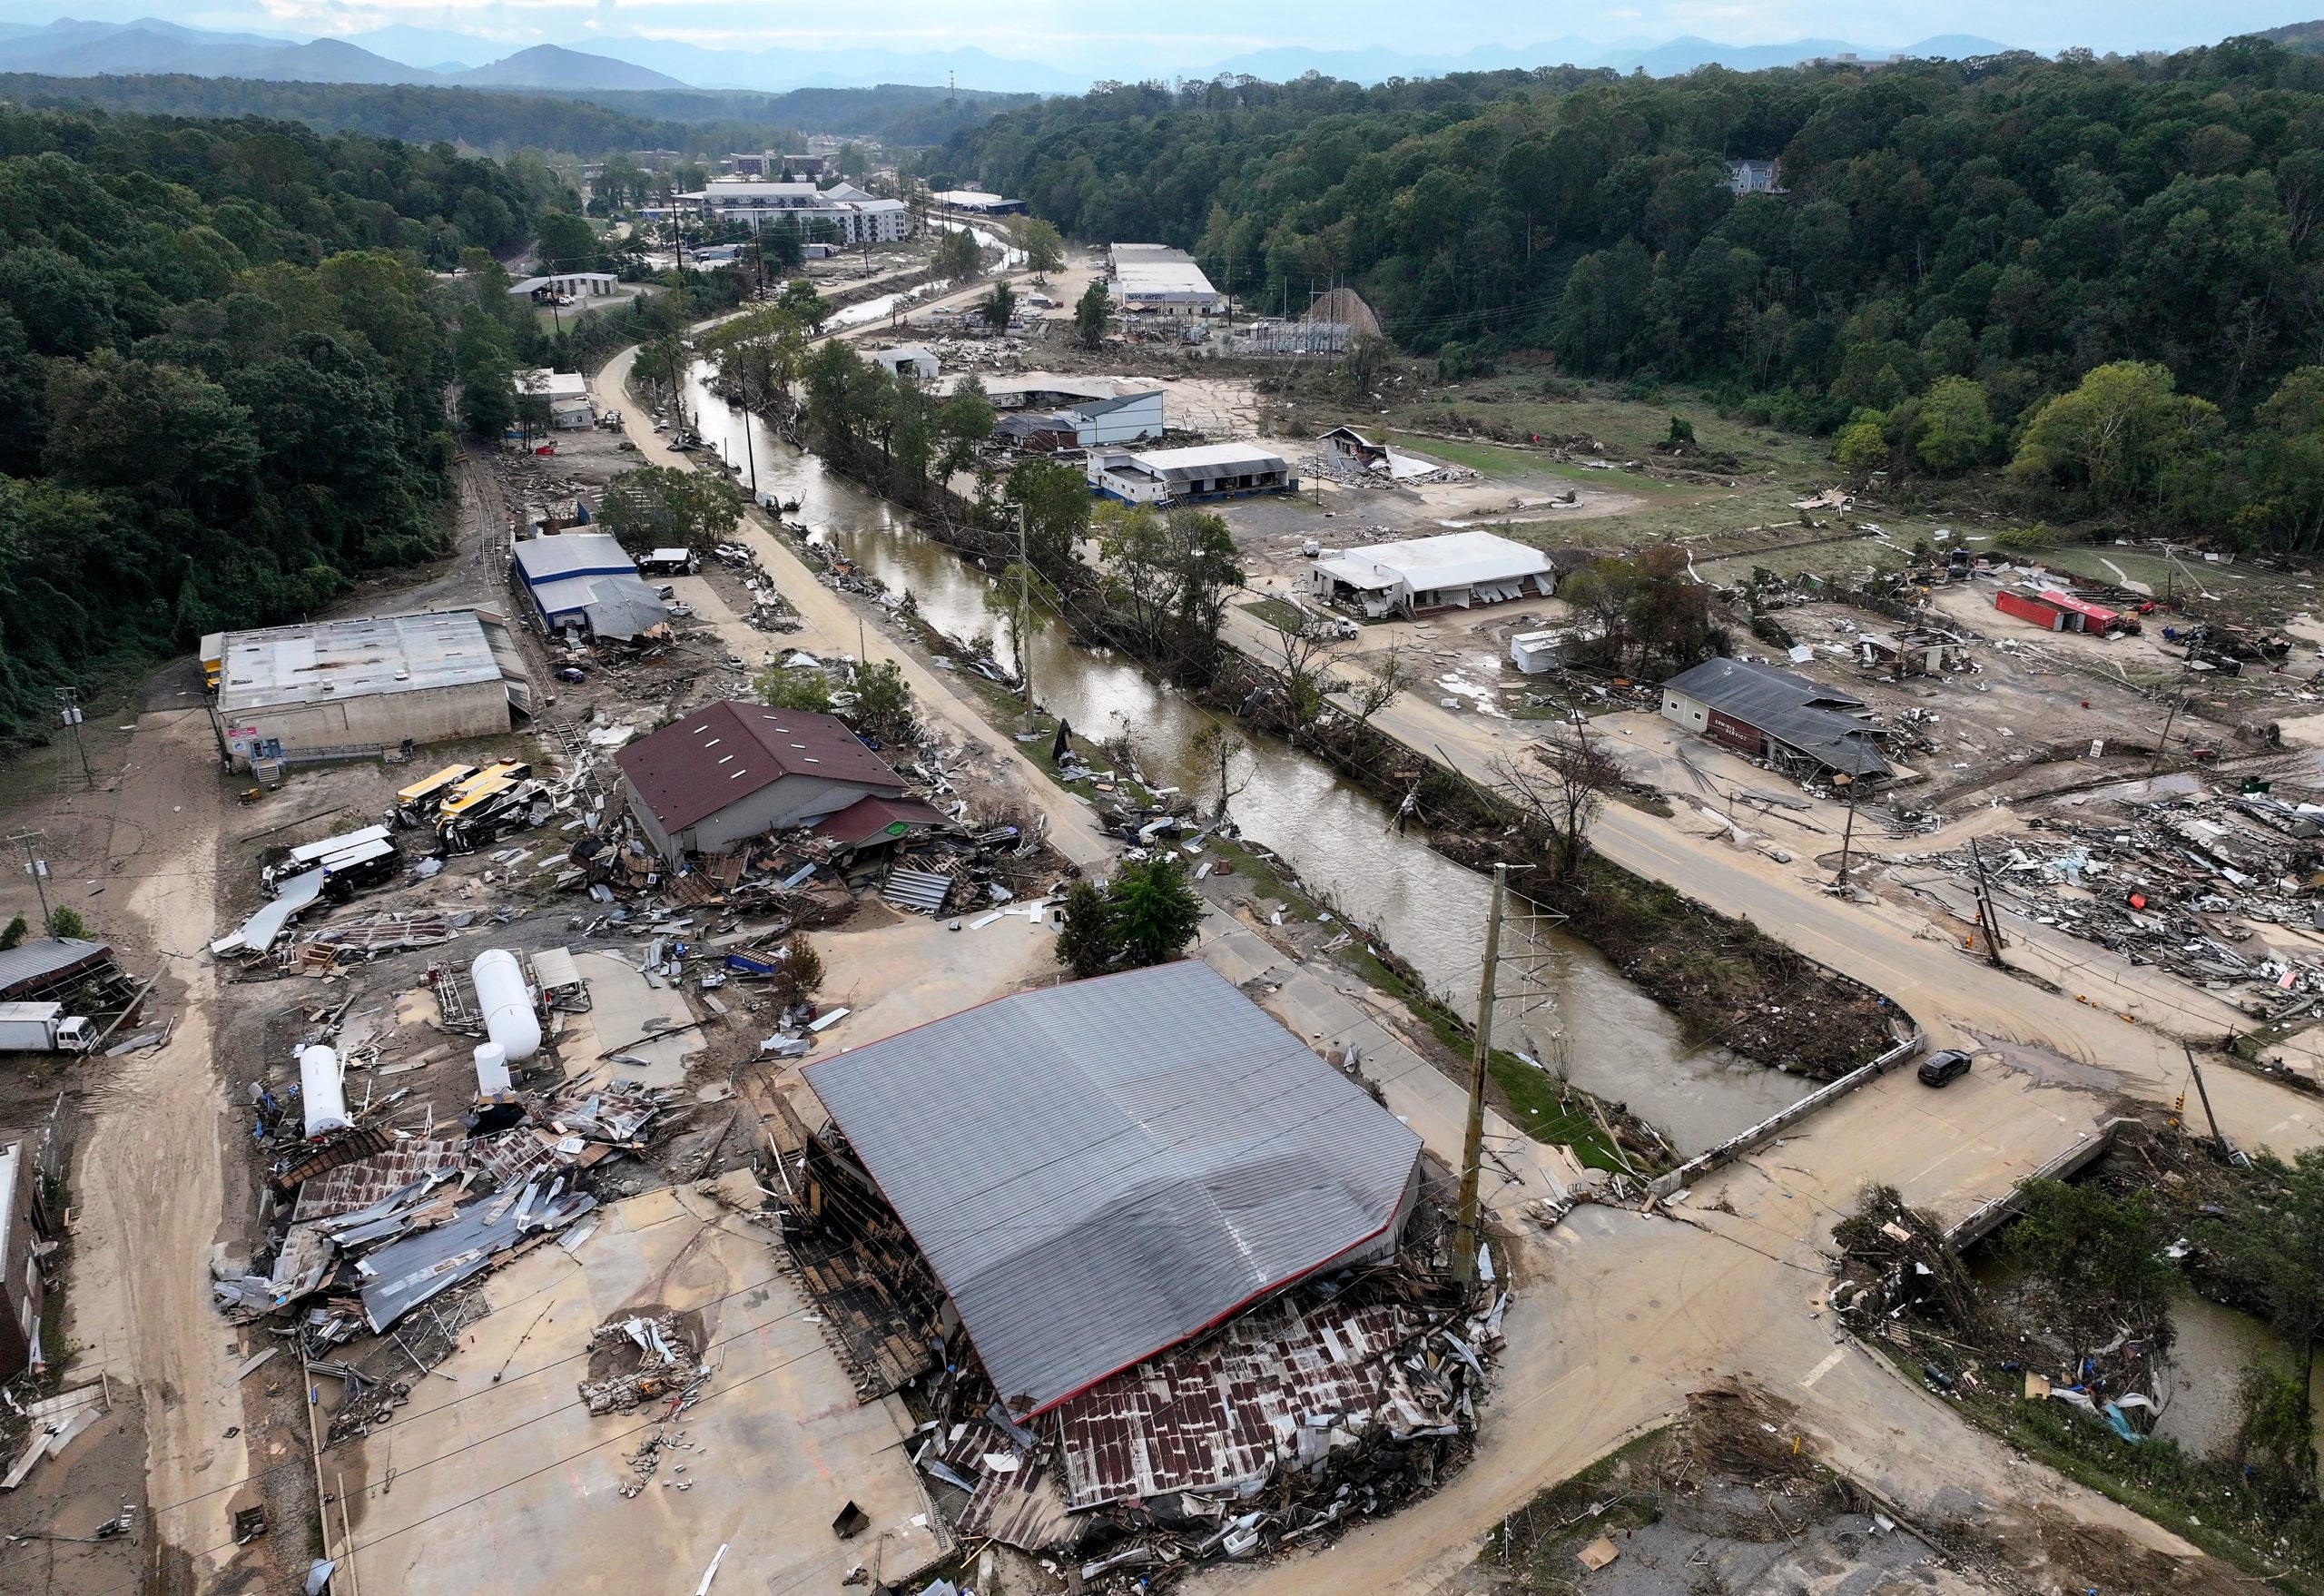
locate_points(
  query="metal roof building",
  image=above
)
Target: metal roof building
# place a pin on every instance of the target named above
(587, 580)
(45, 966)
(370, 681)
(730, 771)
(1768, 714)
(1182, 476)
(1099, 1170)
(1452, 571)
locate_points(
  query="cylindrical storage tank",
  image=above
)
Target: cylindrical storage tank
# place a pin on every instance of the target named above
(492, 1071)
(506, 1006)
(321, 1090)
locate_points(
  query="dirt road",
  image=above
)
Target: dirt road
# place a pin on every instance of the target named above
(150, 1179)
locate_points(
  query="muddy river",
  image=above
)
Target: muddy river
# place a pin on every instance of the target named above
(1563, 1004)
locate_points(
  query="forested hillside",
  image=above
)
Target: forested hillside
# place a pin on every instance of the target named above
(1959, 245)
(588, 124)
(223, 362)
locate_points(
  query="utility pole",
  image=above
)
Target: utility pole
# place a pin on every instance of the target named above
(2162, 743)
(750, 449)
(35, 867)
(2201, 1091)
(1848, 834)
(1986, 919)
(1472, 1141)
(1024, 640)
(68, 710)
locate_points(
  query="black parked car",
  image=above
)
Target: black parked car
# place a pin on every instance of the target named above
(1943, 1068)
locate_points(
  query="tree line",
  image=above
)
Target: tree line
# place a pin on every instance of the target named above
(222, 353)
(1958, 247)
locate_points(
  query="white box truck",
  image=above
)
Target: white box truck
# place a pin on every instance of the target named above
(44, 1028)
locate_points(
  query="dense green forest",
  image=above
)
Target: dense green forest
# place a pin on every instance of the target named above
(2106, 272)
(222, 358)
(582, 124)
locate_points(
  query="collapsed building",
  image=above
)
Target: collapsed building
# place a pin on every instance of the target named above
(1799, 726)
(585, 583)
(1168, 1282)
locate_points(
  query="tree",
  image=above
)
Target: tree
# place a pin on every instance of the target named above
(1020, 596)
(801, 689)
(1303, 656)
(883, 705)
(1953, 427)
(999, 305)
(1387, 677)
(1055, 500)
(64, 922)
(1562, 793)
(798, 971)
(1155, 911)
(2117, 440)
(664, 506)
(566, 243)
(759, 354)
(1085, 942)
(1216, 743)
(1862, 448)
(2275, 1421)
(803, 304)
(1093, 314)
(1365, 363)
(2102, 1255)
(958, 258)
(488, 400)
(1044, 250)
(14, 937)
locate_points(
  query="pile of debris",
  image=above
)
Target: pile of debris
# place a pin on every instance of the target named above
(650, 1358)
(2183, 882)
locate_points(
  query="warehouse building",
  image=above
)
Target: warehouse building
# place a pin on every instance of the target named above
(585, 582)
(1087, 423)
(1796, 725)
(1457, 571)
(1156, 280)
(978, 201)
(733, 771)
(1188, 476)
(347, 688)
(1100, 1171)
(907, 359)
(568, 393)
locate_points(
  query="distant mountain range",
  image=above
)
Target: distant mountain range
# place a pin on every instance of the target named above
(1656, 59)
(93, 49)
(68, 48)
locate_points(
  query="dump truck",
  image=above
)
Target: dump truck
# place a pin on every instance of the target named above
(44, 1028)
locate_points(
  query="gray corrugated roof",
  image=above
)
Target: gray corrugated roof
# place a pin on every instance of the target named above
(1792, 709)
(1098, 1171)
(46, 956)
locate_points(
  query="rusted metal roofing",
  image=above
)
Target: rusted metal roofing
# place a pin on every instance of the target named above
(1098, 1171)
(30, 967)
(360, 1184)
(1233, 1408)
(693, 768)
(872, 819)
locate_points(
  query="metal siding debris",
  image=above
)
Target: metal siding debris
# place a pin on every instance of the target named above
(917, 889)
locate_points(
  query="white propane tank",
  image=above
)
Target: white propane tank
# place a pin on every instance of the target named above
(491, 1071)
(321, 1091)
(506, 1006)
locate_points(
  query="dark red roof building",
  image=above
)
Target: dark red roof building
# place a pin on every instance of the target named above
(733, 771)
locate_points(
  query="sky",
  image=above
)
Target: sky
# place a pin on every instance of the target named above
(1075, 36)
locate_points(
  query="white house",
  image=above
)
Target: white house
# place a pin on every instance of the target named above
(909, 359)
(1185, 476)
(1455, 571)
(568, 393)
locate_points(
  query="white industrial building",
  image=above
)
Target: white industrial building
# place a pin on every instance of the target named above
(1456, 571)
(1089, 423)
(330, 687)
(857, 215)
(977, 200)
(1157, 279)
(585, 582)
(567, 285)
(568, 393)
(909, 359)
(1185, 476)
